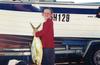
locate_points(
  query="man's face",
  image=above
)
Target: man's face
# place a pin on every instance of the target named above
(47, 14)
(98, 13)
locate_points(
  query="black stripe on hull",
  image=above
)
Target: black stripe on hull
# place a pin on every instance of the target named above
(21, 41)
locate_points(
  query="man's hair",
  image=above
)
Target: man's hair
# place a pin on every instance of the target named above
(48, 9)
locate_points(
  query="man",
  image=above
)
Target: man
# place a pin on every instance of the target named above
(16, 62)
(98, 13)
(47, 37)
(13, 62)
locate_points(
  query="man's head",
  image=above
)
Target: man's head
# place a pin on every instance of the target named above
(98, 13)
(16, 62)
(47, 13)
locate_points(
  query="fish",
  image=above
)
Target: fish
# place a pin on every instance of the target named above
(36, 48)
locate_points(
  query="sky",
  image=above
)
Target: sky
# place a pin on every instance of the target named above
(81, 1)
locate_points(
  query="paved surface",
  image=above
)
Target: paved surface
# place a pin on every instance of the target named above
(70, 63)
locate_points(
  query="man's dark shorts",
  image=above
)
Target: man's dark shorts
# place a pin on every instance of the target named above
(48, 56)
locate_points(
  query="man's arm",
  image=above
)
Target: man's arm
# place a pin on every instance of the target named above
(46, 27)
(39, 33)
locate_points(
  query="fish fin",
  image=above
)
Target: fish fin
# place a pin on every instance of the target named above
(38, 26)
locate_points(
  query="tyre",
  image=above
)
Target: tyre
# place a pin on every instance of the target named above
(93, 56)
(96, 57)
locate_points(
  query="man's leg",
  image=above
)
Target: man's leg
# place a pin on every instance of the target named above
(48, 56)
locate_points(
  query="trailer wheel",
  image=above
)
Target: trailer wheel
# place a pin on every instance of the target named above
(93, 57)
(96, 57)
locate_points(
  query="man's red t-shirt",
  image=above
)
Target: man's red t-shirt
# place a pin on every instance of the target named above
(47, 34)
